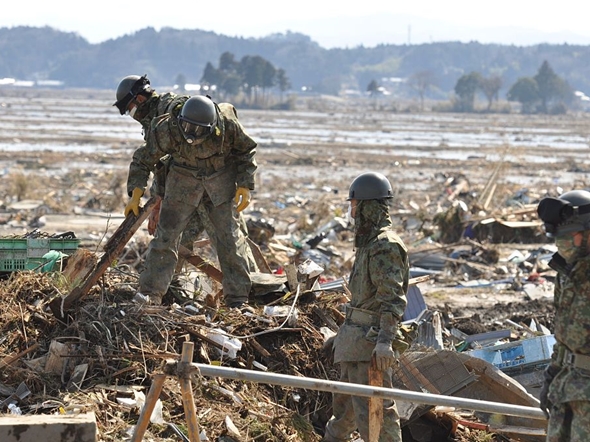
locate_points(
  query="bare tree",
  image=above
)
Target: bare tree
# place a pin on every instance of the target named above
(421, 82)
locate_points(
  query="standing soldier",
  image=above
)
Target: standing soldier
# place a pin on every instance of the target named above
(212, 163)
(136, 98)
(565, 396)
(378, 284)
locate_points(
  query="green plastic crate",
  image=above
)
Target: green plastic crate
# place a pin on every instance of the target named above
(27, 253)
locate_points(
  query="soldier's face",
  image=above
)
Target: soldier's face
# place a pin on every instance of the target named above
(570, 246)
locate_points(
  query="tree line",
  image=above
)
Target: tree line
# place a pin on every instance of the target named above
(248, 80)
(545, 92)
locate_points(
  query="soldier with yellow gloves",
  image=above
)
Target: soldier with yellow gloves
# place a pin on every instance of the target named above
(139, 100)
(369, 338)
(212, 164)
(200, 221)
(565, 395)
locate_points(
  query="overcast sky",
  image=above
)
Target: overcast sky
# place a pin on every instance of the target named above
(330, 23)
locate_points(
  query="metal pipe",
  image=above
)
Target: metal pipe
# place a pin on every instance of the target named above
(367, 391)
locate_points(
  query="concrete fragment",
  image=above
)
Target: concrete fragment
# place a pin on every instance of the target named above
(63, 428)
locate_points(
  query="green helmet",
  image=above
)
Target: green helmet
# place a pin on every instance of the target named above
(370, 186)
(197, 118)
(567, 214)
(129, 88)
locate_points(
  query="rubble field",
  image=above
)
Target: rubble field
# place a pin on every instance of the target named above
(466, 189)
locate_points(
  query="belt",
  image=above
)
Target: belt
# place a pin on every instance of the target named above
(359, 316)
(202, 169)
(577, 360)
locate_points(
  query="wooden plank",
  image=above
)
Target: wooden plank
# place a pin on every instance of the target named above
(112, 249)
(375, 404)
(7, 360)
(200, 264)
(259, 257)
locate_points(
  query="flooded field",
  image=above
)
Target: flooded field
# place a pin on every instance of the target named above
(343, 139)
(70, 151)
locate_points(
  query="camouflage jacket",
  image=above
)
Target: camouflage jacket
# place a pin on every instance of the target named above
(572, 331)
(222, 162)
(378, 280)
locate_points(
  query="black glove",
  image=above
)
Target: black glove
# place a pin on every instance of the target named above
(548, 375)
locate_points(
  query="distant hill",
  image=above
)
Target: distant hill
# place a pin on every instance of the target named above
(35, 54)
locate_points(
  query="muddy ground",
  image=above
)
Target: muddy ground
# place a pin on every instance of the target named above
(70, 150)
(64, 158)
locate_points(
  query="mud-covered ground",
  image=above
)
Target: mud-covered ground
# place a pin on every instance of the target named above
(64, 158)
(70, 150)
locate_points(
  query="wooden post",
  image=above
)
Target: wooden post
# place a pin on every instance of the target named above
(148, 408)
(186, 388)
(375, 403)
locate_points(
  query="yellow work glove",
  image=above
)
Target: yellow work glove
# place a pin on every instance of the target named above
(133, 204)
(242, 198)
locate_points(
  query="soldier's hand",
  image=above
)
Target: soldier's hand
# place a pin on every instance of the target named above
(548, 375)
(242, 198)
(154, 217)
(384, 356)
(133, 204)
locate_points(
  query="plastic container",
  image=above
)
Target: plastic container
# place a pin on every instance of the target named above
(27, 253)
(519, 354)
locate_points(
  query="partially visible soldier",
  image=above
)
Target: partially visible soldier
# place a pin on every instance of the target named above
(565, 396)
(378, 284)
(212, 163)
(136, 98)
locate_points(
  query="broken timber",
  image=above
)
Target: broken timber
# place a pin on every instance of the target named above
(112, 249)
(375, 403)
(201, 264)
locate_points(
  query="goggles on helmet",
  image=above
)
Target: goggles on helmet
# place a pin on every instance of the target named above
(140, 86)
(193, 131)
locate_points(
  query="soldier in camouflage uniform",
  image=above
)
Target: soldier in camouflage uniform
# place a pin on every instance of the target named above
(136, 98)
(198, 223)
(212, 163)
(378, 284)
(565, 396)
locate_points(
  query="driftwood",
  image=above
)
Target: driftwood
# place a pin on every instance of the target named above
(112, 249)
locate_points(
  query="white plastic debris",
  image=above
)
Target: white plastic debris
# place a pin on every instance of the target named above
(231, 346)
(281, 311)
(14, 409)
(310, 268)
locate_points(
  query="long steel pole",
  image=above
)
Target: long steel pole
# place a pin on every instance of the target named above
(367, 391)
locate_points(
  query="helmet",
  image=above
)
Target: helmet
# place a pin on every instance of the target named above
(370, 186)
(567, 214)
(129, 88)
(197, 118)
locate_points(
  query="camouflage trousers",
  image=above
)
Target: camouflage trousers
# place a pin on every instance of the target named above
(569, 422)
(352, 412)
(200, 223)
(162, 253)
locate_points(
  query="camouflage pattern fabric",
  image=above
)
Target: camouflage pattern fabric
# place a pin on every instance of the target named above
(352, 412)
(200, 221)
(569, 392)
(378, 280)
(378, 283)
(569, 422)
(226, 157)
(206, 174)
